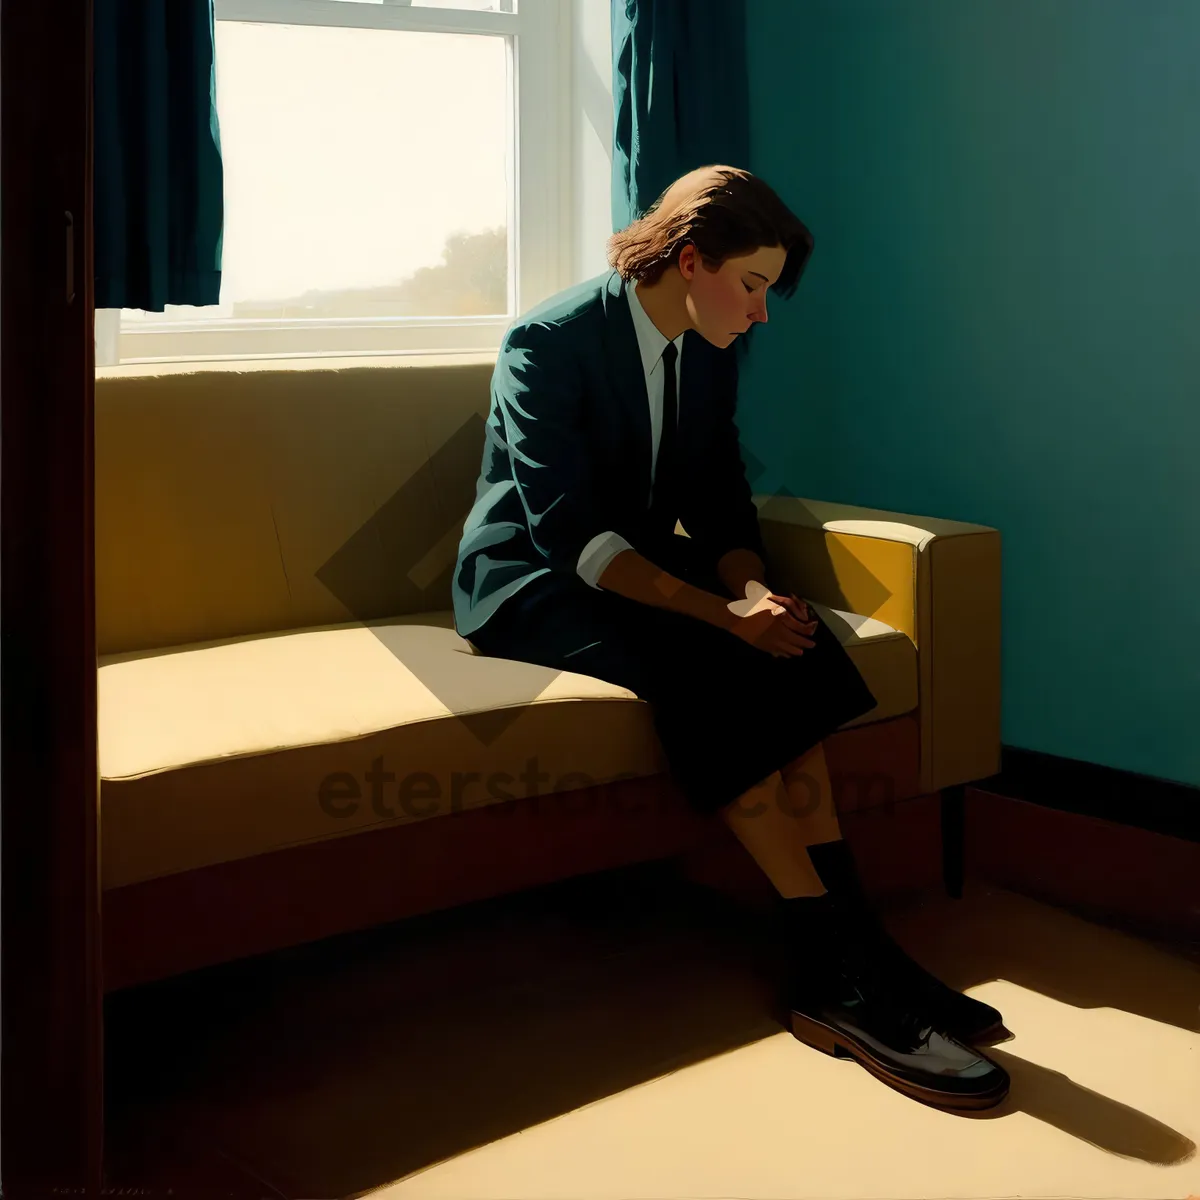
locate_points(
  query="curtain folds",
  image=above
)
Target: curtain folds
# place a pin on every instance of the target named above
(158, 190)
(680, 95)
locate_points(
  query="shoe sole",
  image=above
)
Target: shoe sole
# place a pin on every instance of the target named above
(839, 1044)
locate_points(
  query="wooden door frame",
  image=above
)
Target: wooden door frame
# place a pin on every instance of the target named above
(51, 1073)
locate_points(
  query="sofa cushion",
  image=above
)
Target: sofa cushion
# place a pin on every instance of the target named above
(220, 750)
(248, 497)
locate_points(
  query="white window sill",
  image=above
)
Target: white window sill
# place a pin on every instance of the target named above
(321, 363)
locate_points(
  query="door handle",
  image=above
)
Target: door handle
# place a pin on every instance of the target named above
(70, 258)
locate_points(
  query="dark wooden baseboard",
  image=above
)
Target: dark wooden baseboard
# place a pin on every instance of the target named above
(1090, 789)
(1113, 845)
(1109, 871)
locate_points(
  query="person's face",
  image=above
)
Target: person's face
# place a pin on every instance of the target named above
(725, 303)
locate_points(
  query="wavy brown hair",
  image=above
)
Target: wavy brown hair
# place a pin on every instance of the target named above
(726, 213)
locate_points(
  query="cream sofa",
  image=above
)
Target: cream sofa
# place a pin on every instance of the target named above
(274, 546)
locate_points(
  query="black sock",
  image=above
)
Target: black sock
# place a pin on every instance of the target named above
(814, 925)
(822, 926)
(836, 868)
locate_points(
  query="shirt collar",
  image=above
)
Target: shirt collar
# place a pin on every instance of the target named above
(651, 342)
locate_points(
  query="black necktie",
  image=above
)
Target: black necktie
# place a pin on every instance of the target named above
(665, 464)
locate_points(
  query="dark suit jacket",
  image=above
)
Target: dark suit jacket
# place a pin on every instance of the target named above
(568, 444)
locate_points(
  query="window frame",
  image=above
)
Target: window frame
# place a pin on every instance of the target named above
(538, 171)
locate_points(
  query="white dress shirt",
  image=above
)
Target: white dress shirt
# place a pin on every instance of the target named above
(604, 547)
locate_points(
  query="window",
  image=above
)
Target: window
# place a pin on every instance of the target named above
(396, 176)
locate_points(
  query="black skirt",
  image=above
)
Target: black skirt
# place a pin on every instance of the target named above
(727, 714)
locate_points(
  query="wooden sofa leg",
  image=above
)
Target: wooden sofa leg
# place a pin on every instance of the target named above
(953, 839)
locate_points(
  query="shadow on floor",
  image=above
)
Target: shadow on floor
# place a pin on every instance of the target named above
(337, 1068)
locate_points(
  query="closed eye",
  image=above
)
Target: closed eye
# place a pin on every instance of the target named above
(747, 287)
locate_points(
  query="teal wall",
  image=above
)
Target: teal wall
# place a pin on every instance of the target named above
(1001, 323)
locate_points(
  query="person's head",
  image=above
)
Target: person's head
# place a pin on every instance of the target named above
(707, 250)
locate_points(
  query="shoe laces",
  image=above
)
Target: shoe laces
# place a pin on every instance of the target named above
(874, 980)
(901, 1017)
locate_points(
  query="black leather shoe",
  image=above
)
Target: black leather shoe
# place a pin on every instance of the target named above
(962, 1017)
(854, 1009)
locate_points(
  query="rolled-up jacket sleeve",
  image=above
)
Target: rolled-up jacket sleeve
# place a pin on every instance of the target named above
(538, 390)
(598, 553)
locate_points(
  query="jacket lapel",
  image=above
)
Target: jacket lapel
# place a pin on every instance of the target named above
(628, 383)
(627, 380)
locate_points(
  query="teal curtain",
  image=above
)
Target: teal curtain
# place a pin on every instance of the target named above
(158, 182)
(680, 95)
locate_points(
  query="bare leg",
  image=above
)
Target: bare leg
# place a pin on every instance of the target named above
(810, 797)
(778, 822)
(778, 819)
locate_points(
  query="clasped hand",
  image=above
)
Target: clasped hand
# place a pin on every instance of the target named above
(778, 624)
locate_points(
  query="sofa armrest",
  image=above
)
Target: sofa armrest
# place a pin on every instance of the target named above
(936, 580)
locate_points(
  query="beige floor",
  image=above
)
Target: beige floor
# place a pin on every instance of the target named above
(614, 1038)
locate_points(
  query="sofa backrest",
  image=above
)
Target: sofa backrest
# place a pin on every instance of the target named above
(273, 496)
